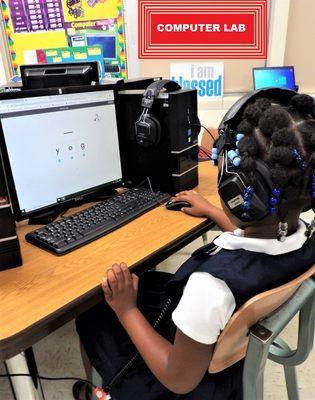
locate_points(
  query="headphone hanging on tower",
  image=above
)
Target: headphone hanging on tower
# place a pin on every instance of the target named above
(148, 127)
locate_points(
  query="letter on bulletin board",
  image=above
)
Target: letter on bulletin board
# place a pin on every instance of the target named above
(40, 25)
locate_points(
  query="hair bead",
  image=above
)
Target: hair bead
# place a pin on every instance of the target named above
(274, 200)
(298, 158)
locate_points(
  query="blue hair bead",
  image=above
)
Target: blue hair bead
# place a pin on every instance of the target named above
(232, 154)
(276, 192)
(273, 201)
(272, 210)
(239, 136)
(298, 158)
(236, 161)
(248, 194)
(249, 190)
(214, 154)
(246, 205)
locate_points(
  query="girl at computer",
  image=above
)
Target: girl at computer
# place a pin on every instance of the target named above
(274, 158)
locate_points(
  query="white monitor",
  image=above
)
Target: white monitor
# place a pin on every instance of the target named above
(58, 147)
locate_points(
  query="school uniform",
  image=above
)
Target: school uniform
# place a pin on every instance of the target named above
(205, 291)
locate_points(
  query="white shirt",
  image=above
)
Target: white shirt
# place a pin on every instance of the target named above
(207, 302)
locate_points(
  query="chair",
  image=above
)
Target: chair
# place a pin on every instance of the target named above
(253, 332)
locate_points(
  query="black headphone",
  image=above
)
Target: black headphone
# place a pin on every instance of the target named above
(148, 127)
(233, 185)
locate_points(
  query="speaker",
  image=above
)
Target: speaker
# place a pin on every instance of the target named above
(10, 253)
(166, 149)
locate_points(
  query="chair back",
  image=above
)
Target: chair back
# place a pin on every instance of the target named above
(232, 343)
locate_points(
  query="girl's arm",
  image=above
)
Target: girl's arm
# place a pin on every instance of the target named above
(179, 366)
(200, 207)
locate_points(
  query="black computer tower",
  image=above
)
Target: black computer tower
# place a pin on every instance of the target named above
(10, 253)
(172, 163)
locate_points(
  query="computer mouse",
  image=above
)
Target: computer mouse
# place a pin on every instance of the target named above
(177, 205)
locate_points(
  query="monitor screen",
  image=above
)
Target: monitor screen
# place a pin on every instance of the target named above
(108, 43)
(59, 75)
(57, 148)
(282, 77)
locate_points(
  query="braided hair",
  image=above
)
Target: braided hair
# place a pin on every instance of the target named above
(284, 138)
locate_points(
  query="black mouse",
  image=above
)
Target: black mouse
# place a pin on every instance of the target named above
(177, 205)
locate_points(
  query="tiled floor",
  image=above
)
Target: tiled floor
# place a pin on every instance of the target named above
(58, 355)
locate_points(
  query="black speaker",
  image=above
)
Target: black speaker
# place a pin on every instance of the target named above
(10, 253)
(170, 159)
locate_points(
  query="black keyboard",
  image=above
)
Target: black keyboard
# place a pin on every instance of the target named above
(69, 233)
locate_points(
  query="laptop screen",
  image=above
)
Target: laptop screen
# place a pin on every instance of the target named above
(282, 77)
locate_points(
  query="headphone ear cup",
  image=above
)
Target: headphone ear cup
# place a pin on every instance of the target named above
(156, 137)
(148, 132)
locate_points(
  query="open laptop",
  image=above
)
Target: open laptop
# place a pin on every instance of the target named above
(282, 77)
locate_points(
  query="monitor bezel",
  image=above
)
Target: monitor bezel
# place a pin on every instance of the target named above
(93, 64)
(270, 68)
(6, 165)
(101, 34)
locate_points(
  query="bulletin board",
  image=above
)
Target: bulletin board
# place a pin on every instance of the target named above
(35, 27)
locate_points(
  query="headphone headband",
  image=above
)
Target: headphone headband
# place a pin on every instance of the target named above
(153, 90)
(233, 115)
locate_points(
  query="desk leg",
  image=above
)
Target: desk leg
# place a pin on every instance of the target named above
(23, 386)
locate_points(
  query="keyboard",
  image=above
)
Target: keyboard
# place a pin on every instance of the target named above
(69, 233)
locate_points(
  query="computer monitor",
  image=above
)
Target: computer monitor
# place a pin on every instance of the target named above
(58, 146)
(40, 76)
(107, 42)
(282, 77)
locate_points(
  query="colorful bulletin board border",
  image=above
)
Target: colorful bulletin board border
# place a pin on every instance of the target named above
(203, 29)
(44, 24)
(67, 55)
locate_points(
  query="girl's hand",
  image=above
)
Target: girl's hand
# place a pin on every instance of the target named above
(200, 207)
(120, 289)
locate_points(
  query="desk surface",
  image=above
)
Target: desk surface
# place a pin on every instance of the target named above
(48, 290)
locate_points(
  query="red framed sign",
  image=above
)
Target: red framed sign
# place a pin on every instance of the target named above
(203, 29)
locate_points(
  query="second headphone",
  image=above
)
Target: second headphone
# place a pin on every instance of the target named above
(148, 127)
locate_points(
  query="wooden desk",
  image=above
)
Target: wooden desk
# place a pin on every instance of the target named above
(48, 290)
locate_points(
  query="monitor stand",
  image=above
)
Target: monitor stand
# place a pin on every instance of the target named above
(50, 216)
(46, 218)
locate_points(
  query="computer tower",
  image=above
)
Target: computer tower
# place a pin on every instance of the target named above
(135, 83)
(172, 162)
(10, 253)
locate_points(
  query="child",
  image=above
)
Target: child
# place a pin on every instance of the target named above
(270, 247)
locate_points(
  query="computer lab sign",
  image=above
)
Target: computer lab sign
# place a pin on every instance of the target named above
(203, 29)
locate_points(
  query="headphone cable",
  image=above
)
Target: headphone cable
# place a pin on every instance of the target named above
(206, 129)
(97, 389)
